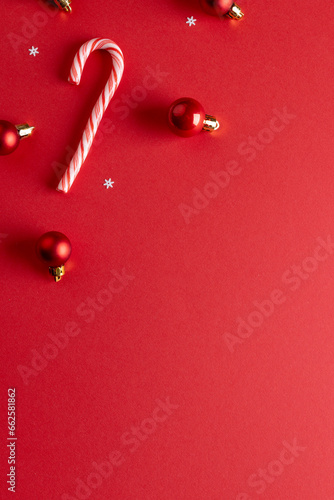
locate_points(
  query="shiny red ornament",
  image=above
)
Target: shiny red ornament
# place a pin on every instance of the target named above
(10, 136)
(222, 8)
(54, 249)
(186, 118)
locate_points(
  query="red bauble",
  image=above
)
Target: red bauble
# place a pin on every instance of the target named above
(54, 248)
(9, 137)
(217, 7)
(186, 117)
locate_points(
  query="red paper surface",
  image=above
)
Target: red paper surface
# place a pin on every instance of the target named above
(250, 409)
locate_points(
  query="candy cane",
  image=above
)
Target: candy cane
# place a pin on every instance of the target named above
(100, 106)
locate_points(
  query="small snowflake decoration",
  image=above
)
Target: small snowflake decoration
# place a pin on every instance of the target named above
(108, 184)
(33, 51)
(191, 21)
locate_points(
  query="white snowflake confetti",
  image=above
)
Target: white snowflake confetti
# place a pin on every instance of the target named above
(33, 51)
(108, 184)
(191, 21)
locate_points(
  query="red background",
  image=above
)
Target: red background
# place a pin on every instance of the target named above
(164, 335)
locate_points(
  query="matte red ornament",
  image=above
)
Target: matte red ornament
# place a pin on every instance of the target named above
(222, 8)
(186, 117)
(54, 249)
(10, 136)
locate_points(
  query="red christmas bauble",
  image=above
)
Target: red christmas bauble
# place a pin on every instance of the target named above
(217, 7)
(186, 117)
(9, 137)
(54, 248)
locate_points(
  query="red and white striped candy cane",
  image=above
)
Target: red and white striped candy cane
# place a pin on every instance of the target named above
(99, 108)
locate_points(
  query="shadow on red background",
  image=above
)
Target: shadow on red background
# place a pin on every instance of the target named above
(19, 248)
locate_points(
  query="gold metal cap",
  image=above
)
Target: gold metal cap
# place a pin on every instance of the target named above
(64, 4)
(235, 12)
(210, 123)
(57, 272)
(24, 130)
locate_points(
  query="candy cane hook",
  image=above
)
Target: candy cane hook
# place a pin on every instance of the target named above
(101, 105)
